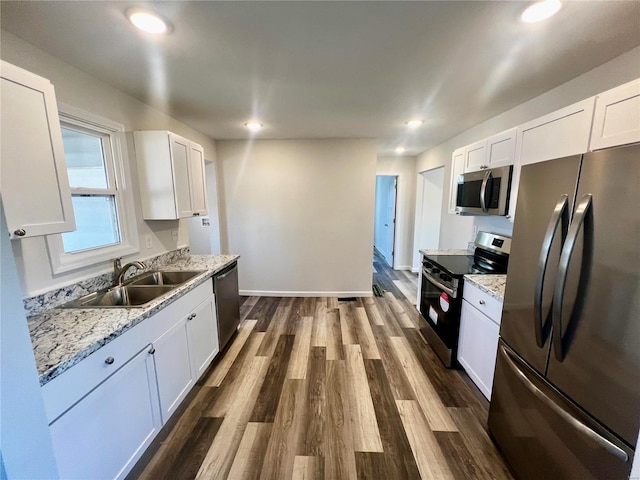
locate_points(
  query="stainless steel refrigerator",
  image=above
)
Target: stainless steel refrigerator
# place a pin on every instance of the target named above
(566, 391)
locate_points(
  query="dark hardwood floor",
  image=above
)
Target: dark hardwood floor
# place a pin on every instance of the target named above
(319, 388)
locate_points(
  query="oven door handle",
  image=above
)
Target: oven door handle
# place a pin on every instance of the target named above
(438, 284)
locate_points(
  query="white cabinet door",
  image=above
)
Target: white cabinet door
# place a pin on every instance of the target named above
(617, 117)
(457, 168)
(105, 433)
(198, 180)
(203, 336)
(34, 180)
(181, 172)
(501, 149)
(171, 176)
(560, 134)
(477, 347)
(475, 156)
(173, 368)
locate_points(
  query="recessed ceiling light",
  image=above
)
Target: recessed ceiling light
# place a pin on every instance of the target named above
(147, 21)
(414, 123)
(400, 149)
(253, 126)
(540, 11)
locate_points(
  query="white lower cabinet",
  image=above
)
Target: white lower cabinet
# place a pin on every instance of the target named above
(478, 340)
(105, 410)
(173, 366)
(106, 432)
(203, 336)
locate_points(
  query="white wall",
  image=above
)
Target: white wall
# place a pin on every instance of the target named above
(456, 231)
(404, 168)
(25, 442)
(428, 217)
(82, 91)
(206, 240)
(300, 214)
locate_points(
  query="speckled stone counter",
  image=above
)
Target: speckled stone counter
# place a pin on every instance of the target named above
(491, 284)
(446, 252)
(63, 337)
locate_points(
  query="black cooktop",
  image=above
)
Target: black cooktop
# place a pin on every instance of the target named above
(458, 265)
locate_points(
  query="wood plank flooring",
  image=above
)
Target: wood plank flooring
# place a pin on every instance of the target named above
(322, 388)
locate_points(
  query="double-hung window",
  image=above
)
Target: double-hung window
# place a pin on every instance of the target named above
(102, 202)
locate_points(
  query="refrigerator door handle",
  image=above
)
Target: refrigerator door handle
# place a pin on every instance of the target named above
(560, 213)
(570, 419)
(483, 191)
(582, 210)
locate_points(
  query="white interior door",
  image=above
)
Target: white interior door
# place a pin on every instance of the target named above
(384, 230)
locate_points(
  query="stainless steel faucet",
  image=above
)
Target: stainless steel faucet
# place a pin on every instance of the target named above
(119, 271)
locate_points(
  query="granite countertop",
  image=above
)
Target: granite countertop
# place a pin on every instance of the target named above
(491, 284)
(446, 252)
(62, 337)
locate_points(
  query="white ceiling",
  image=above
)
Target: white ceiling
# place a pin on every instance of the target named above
(331, 69)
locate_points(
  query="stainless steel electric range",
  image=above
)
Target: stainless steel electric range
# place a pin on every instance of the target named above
(442, 285)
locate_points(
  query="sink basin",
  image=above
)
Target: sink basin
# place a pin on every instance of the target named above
(119, 297)
(163, 278)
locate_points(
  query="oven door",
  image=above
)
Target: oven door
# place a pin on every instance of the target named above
(440, 309)
(484, 192)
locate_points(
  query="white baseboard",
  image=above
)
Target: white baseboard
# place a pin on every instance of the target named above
(402, 267)
(415, 270)
(271, 293)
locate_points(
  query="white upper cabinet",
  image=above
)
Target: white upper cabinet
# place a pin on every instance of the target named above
(171, 175)
(34, 181)
(617, 117)
(457, 168)
(560, 134)
(475, 156)
(501, 149)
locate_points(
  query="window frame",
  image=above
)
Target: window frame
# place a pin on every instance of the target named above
(119, 185)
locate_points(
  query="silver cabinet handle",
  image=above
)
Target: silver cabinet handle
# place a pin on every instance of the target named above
(481, 302)
(20, 232)
(109, 360)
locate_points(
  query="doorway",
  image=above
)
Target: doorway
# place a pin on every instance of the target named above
(385, 216)
(428, 213)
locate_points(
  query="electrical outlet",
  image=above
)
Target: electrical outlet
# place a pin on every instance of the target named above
(148, 241)
(174, 235)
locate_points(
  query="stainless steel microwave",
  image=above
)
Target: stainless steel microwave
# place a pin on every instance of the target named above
(485, 192)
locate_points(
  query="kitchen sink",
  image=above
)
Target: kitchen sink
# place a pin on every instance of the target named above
(119, 297)
(163, 278)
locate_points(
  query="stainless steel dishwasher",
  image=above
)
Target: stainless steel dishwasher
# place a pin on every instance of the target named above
(225, 286)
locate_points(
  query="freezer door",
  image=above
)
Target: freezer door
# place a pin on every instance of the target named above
(545, 436)
(545, 199)
(597, 364)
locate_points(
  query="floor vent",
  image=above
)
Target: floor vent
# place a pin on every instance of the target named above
(377, 291)
(346, 299)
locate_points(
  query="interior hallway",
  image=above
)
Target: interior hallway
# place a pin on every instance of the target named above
(329, 388)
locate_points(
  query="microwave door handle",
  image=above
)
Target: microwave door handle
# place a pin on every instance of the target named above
(560, 213)
(581, 213)
(483, 191)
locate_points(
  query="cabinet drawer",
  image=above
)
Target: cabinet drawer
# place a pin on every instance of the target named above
(484, 302)
(72, 385)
